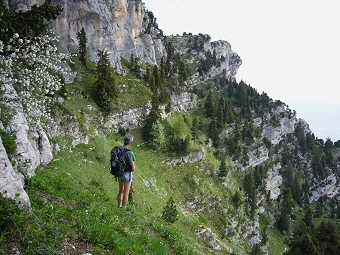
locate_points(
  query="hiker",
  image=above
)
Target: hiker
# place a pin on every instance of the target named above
(125, 179)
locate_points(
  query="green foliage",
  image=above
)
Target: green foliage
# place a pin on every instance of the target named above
(207, 63)
(325, 239)
(6, 114)
(256, 250)
(13, 222)
(157, 135)
(106, 90)
(32, 23)
(223, 168)
(283, 222)
(81, 37)
(180, 135)
(237, 199)
(170, 211)
(210, 105)
(9, 142)
(151, 119)
(250, 190)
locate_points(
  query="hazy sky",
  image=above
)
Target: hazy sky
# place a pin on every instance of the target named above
(290, 48)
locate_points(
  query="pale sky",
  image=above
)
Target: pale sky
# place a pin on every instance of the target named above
(290, 49)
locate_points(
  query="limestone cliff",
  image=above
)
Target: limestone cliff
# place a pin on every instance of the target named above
(117, 26)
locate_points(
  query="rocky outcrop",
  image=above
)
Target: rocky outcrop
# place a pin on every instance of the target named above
(190, 159)
(274, 181)
(33, 146)
(130, 119)
(329, 187)
(117, 26)
(212, 239)
(241, 227)
(12, 182)
(258, 156)
(133, 118)
(276, 134)
(183, 102)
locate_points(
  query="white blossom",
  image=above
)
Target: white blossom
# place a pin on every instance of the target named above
(34, 67)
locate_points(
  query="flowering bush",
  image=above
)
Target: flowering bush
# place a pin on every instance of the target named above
(34, 67)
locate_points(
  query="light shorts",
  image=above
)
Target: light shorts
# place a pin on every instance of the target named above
(125, 177)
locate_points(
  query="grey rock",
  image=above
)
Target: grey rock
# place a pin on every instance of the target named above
(258, 156)
(183, 102)
(130, 119)
(274, 181)
(276, 134)
(116, 26)
(11, 182)
(190, 159)
(328, 187)
(45, 148)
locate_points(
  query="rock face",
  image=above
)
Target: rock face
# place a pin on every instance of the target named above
(11, 182)
(117, 26)
(33, 146)
(258, 156)
(190, 159)
(328, 187)
(130, 119)
(276, 134)
(274, 182)
(183, 102)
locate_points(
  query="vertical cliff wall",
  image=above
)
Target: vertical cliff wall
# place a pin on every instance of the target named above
(117, 26)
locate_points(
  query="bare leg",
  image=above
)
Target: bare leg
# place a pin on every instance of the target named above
(126, 190)
(120, 194)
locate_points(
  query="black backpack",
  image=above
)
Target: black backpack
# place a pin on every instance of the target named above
(118, 164)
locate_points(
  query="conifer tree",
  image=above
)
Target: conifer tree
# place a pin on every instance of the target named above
(221, 113)
(152, 118)
(213, 132)
(283, 222)
(195, 129)
(308, 219)
(170, 211)
(106, 90)
(223, 168)
(157, 135)
(81, 37)
(210, 105)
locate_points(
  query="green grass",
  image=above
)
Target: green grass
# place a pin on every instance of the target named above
(275, 240)
(74, 203)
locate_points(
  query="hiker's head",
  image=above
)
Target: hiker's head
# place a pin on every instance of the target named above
(128, 139)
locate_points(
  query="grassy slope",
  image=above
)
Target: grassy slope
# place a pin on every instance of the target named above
(74, 198)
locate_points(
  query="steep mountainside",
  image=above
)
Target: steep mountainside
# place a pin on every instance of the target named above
(243, 170)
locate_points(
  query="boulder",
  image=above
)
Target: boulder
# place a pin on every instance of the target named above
(12, 182)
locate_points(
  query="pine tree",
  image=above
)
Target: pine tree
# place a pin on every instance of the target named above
(157, 135)
(308, 219)
(213, 133)
(170, 211)
(223, 168)
(195, 129)
(210, 105)
(221, 113)
(283, 222)
(152, 118)
(106, 90)
(81, 37)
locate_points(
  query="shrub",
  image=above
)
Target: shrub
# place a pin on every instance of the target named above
(8, 212)
(237, 199)
(9, 142)
(170, 212)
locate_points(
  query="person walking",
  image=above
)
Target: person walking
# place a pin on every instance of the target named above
(125, 180)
